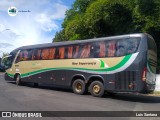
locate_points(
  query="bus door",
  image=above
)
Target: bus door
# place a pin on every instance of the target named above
(22, 64)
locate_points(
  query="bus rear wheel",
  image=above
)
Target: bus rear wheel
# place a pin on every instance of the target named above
(79, 87)
(18, 80)
(96, 89)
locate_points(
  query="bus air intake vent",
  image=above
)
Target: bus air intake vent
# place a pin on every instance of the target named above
(125, 80)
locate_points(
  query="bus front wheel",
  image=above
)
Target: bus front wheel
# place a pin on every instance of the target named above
(96, 89)
(18, 80)
(79, 87)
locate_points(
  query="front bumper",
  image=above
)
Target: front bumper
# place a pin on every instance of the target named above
(8, 78)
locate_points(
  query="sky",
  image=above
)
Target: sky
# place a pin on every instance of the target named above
(36, 26)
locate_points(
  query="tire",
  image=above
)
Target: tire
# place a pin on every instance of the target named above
(18, 80)
(79, 87)
(96, 89)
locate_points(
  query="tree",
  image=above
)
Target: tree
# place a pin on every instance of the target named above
(60, 36)
(146, 16)
(109, 17)
(73, 21)
(99, 18)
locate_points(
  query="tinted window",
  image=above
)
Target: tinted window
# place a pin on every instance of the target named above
(52, 53)
(95, 50)
(45, 54)
(48, 53)
(121, 48)
(61, 52)
(29, 56)
(85, 51)
(75, 51)
(98, 49)
(24, 55)
(35, 55)
(70, 52)
(110, 48)
(102, 49)
(127, 46)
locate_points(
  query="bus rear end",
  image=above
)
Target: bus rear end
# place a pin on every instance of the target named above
(140, 75)
(149, 73)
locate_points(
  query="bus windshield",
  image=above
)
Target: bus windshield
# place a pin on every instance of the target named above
(7, 61)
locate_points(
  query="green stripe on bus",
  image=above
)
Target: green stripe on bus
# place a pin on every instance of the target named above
(102, 64)
(119, 65)
(10, 75)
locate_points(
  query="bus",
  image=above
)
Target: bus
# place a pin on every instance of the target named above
(117, 64)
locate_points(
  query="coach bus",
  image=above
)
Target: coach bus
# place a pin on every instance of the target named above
(118, 64)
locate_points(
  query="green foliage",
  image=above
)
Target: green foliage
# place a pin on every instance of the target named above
(60, 36)
(106, 18)
(99, 18)
(79, 7)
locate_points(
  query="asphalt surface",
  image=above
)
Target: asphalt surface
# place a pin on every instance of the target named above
(49, 98)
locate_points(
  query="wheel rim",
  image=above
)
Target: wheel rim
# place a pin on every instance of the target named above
(78, 87)
(96, 89)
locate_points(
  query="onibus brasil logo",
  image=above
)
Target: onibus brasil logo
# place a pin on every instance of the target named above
(12, 11)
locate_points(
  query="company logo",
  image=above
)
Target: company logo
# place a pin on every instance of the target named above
(21, 114)
(12, 11)
(6, 114)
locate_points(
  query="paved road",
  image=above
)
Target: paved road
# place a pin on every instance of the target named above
(42, 98)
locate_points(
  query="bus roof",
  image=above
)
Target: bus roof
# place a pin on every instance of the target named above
(78, 41)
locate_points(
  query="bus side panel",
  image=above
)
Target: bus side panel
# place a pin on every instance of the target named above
(56, 77)
(129, 80)
(142, 67)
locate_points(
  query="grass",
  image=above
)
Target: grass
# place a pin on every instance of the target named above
(155, 93)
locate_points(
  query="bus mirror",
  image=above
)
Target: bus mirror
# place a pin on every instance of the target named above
(4, 62)
(2, 69)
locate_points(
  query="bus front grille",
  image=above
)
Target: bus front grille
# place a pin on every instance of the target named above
(125, 80)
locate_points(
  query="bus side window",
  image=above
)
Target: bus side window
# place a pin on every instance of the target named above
(75, 51)
(24, 55)
(61, 52)
(21, 56)
(85, 53)
(80, 51)
(102, 52)
(35, 55)
(45, 54)
(121, 48)
(70, 52)
(132, 46)
(52, 53)
(29, 56)
(95, 49)
(110, 48)
(18, 57)
(39, 54)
